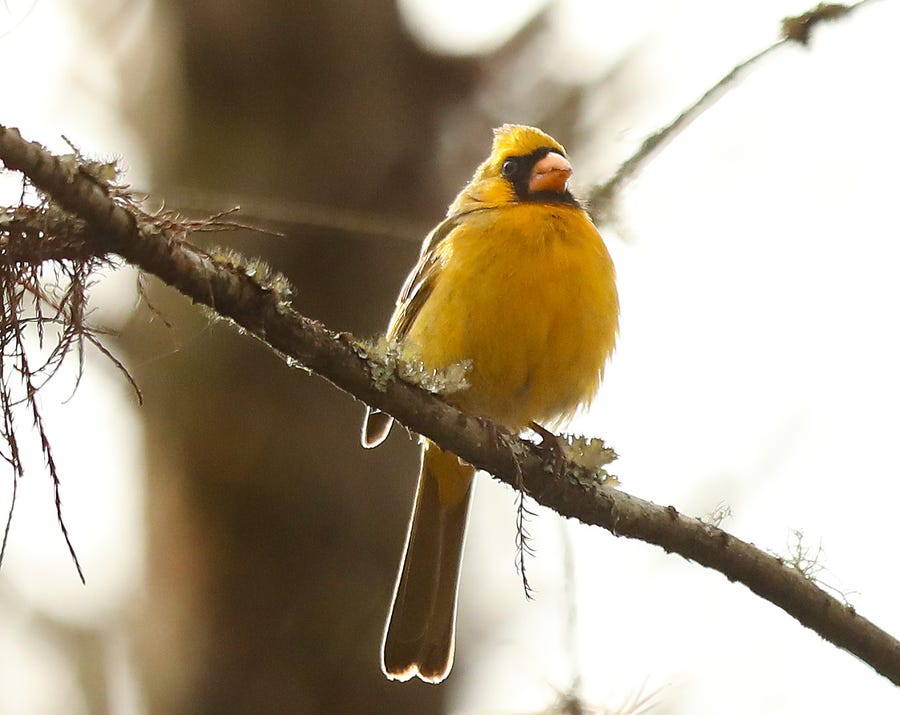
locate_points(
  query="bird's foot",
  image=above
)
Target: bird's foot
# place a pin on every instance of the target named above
(553, 445)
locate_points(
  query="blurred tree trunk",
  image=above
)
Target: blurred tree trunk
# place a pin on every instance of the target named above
(274, 538)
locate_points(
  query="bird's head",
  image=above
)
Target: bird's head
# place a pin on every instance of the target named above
(525, 165)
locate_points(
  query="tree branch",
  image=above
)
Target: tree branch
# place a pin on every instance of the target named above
(796, 29)
(259, 306)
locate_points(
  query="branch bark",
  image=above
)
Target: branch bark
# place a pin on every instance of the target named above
(260, 308)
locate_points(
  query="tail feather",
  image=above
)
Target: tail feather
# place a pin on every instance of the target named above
(420, 634)
(375, 428)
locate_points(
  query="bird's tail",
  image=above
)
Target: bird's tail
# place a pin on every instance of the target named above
(419, 637)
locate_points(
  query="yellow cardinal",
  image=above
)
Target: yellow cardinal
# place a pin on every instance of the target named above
(517, 283)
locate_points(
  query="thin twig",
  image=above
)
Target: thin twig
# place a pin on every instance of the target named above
(524, 549)
(13, 458)
(797, 29)
(287, 212)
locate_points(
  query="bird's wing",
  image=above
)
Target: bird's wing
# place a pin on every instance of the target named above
(420, 282)
(418, 286)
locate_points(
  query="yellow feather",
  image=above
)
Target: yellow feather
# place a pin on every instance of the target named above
(526, 292)
(520, 285)
(487, 187)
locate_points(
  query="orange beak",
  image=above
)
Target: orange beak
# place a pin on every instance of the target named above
(550, 174)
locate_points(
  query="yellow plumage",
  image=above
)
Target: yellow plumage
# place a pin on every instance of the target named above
(517, 282)
(523, 292)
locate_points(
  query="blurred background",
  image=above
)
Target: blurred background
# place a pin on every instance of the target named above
(240, 547)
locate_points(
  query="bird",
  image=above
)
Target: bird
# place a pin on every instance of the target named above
(517, 285)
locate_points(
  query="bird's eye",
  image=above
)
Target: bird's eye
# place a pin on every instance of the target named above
(509, 168)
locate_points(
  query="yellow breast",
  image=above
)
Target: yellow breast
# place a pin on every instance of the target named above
(526, 292)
